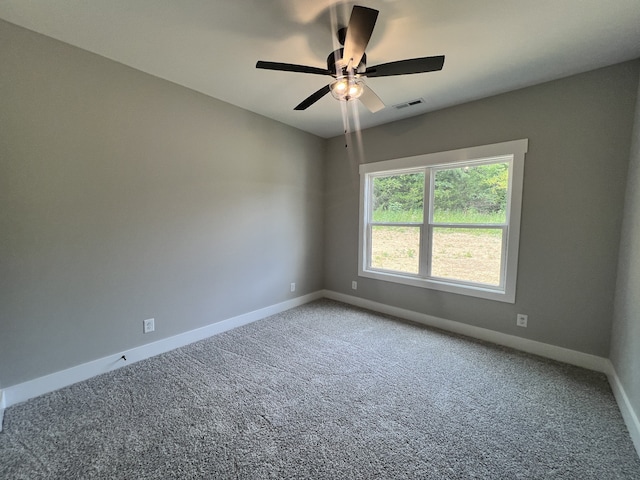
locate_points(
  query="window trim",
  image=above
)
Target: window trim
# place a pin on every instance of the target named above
(516, 151)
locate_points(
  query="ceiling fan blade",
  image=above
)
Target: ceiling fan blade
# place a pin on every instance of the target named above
(290, 67)
(370, 100)
(406, 67)
(313, 98)
(359, 32)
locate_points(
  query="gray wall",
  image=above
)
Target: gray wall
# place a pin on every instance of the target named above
(579, 131)
(125, 197)
(625, 337)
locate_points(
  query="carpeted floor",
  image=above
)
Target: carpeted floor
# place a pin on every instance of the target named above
(326, 391)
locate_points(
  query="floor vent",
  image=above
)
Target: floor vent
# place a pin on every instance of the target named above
(400, 106)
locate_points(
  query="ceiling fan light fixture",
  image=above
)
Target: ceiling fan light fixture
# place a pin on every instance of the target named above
(348, 65)
(346, 88)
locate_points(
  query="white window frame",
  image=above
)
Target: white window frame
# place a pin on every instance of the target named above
(512, 152)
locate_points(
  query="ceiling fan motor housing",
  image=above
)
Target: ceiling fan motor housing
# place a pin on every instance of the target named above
(338, 69)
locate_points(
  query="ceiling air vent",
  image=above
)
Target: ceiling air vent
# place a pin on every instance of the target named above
(412, 103)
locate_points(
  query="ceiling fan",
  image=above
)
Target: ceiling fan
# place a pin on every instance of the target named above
(348, 65)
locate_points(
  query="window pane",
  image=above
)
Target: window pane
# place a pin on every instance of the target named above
(395, 248)
(467, 254)
(398, 198)
(472, 194)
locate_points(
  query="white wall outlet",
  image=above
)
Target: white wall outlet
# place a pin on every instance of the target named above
(293, 287)
(148, 325)
(521, 320)
(354, 285)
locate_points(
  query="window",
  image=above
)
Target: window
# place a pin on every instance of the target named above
(447, 221)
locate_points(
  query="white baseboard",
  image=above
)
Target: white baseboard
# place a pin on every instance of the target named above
(626, 409)
(48, 383)
(18, 393)
(573, 357)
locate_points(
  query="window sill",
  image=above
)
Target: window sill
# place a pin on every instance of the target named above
(478, 291)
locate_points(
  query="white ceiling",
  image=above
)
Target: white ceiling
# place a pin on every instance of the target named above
(211, 46)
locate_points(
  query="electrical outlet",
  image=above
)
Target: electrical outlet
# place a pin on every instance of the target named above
(521, 320)
(354, 285)
(293, 287)
(148, 325)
